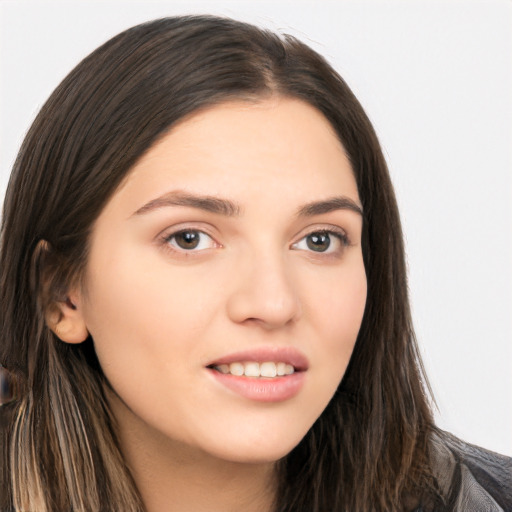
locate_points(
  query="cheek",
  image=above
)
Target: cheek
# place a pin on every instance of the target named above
(333, 313)
(338, 312)
(137, 314)
(141, 292)
(339, 304)
(148, 319)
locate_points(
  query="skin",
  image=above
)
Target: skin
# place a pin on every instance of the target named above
(159, 313)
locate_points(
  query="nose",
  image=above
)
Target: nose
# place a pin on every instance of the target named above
(264, 293)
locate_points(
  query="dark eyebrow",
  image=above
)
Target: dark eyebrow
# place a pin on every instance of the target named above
(329, 205)
(178, 198)
(229, 209)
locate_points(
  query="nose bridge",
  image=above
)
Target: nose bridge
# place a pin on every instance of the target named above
(264, 289)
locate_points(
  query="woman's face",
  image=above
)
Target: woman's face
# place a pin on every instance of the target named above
(234, 245)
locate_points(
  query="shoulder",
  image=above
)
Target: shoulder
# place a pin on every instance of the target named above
(470, 477)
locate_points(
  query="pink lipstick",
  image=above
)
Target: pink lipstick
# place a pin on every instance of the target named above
(266, 374)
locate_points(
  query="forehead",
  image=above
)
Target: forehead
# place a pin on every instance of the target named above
(273, 145)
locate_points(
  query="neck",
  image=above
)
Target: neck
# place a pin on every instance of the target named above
(172, 476)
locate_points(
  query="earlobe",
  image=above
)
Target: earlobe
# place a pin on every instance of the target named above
(67, 322)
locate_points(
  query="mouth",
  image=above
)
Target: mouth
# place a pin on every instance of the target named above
(267, 362)
(255, 370)
(264, 375)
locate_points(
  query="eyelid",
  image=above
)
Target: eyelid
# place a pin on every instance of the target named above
(339, 233)
(201, 226)
(172, 240)
(323, 228)
(170, 232)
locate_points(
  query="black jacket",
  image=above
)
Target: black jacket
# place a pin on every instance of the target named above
(472, 479)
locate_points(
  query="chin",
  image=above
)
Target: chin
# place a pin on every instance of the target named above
(252, 457)
(255, 452)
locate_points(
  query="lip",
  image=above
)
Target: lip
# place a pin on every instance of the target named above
(288, 355)
(262, 389)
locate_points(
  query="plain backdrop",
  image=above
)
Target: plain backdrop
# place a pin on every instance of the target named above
(436, 81)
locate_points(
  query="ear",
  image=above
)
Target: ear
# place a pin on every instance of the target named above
(66, 320)
(62, 305)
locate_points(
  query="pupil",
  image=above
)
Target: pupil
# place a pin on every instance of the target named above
(187, 239)
(318, 242)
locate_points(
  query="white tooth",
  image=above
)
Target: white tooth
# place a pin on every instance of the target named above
(281, 369)
(288, 369)
(268, 369)
(236, 368)
(223, 368)
(252, 370)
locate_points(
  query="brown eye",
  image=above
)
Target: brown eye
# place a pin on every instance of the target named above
(323, 241)
(318, 242)
(190, 239)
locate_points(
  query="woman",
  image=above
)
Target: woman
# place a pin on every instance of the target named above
(204, 301)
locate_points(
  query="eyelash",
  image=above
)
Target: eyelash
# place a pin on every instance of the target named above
(169, 240)
(336, 233)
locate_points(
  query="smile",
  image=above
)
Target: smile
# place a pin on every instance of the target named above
(263, 374)
(253, 369)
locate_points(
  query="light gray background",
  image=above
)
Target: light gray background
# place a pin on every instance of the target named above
(436, 80)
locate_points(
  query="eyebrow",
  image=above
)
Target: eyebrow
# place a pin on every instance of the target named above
(208, 203)
(230, 209)
(329, 205)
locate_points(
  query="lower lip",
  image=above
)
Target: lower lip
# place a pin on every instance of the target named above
(260, 389)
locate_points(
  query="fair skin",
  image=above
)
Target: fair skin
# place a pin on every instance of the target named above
(176, 285)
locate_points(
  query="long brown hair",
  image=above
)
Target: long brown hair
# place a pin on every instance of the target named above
(367, 451)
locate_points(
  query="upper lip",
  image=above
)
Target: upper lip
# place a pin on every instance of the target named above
(288, 355)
